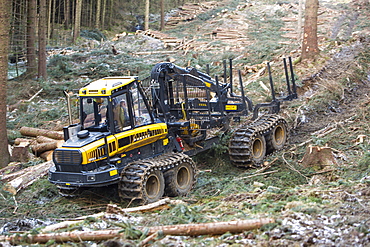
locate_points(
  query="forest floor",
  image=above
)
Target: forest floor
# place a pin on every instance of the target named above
(314, 202)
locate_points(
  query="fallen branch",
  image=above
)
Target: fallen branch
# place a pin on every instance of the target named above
(161, 204)
(214, 228)
(259, 174)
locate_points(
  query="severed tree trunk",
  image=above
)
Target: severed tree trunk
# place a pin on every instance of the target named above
(4, 45)
(28, 131)
(310, 46)
(215, 228)
(42, 40)
(31, 39)
(77, 24)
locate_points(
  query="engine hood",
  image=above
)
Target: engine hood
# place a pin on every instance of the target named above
(76, 142)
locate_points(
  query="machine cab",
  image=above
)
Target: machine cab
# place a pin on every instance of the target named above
(113, 105)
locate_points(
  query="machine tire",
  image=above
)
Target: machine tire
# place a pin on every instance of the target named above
(258, 149)
(279, 136)
(180, 180)
(153, 188)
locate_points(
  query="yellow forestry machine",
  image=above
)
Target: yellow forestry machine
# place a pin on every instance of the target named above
(141, 137)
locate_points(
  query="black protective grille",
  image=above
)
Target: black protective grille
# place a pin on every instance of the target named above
(67, 157)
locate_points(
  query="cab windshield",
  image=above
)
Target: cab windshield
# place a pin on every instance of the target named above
(94, 112)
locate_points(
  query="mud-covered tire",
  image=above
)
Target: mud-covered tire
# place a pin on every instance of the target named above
(154, 186)
(258, 149)
(180, 180)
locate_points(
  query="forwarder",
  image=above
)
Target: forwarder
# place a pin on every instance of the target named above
(141, 136)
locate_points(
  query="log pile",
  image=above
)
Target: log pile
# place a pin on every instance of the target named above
(42, 144)
(167, 40)
(189, 12)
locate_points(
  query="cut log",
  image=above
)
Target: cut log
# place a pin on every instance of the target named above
(40, 148)
(23, 140)
(44, 139)
(215, 228)
(10, 168)
(27, 177)
(48, 155)
(28, 131)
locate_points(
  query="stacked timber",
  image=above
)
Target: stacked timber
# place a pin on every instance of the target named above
(189, 12)
(165, 38)
(42, 144)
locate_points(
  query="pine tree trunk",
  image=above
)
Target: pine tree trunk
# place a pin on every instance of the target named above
(97, 14)
(67, 13)
(42, 40)
(103, 14)
(4, 42)
(310, 46)
(77, 24)
(31, 39)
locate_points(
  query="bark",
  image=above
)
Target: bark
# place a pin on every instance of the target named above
(11, 168)
(103, 14)
(28, 131)
(4, 42)
(43, 139)
(40, 148)
(28, 177)
(31, 39)
(215, 228)
(97, 14)
(42, 40)
(67, 15)
(77, 24)
(146, 20)
(310, 46)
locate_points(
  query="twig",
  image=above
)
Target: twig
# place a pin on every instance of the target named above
(259, 174)
(29, 100)
(148, 239)
(16, 205)
(293, 169)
